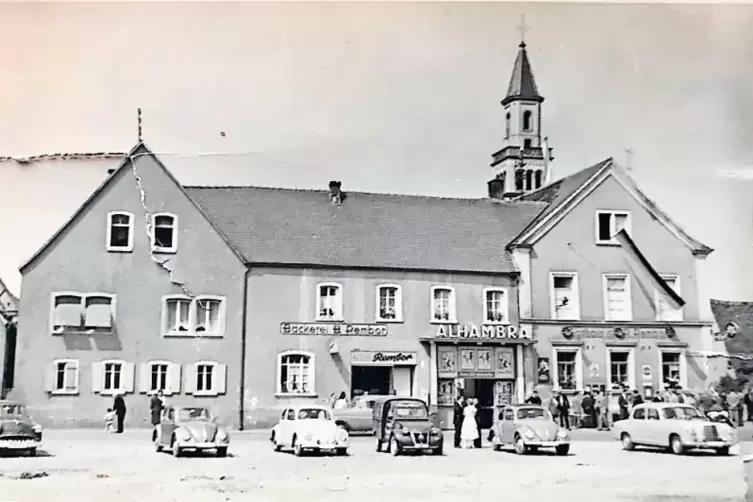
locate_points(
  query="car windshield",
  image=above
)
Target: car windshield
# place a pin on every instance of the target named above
(314, 413)
(533, 414)
(410, 410)
(681, 413)
(194, 415)
(12, 410)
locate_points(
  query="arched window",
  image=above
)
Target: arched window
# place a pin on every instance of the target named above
(519, 180)
(527, 120)
(538, 179)
(529, 180)
(507, 125)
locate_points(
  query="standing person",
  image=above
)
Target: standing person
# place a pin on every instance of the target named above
(623, 403)
(577, 409)
(553, 408)
(589, 410)
(748, 402)
(602, 410)
(469, 430)
(118, 405)
(534, 398)
(477, 416)
(563, 410)
(341, 402)
(156, 406)
(614, 406)
(457, 419)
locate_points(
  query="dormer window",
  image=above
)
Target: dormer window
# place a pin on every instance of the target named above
(164, 233)
(120, 231)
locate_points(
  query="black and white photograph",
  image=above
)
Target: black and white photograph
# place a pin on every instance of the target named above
(344, 250)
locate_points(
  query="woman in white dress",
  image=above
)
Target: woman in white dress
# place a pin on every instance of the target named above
(469, 431)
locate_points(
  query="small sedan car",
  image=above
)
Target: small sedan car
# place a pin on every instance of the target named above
(527, 428)
(404, 425)
(309, 428)
(18, 433)
(677, 427)
(190, 428)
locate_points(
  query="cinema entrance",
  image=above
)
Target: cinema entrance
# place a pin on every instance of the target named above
(382, 372)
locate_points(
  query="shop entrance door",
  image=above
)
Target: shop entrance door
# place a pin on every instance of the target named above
(376, 380)
(483, 390)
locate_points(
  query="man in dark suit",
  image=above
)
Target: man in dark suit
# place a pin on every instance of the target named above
(457, 419)
(563, 410)
(119, 407)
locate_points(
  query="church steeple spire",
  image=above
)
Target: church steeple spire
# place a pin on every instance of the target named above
(522, 164)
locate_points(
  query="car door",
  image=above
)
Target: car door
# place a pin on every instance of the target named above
(653, 428)
(289, 426)
(636, 425)
(167, 425)
(281, 427)
(508, 425)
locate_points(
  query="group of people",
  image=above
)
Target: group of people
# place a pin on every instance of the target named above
(115, 416)
(466, 423)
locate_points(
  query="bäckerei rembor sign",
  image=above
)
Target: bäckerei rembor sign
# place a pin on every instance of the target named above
(492, 332)
(332, 329)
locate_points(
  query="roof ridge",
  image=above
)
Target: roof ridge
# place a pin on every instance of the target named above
(730, 302)
(382, 194)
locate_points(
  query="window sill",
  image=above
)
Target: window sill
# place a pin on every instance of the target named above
(205, 394)
(112, 392)
(322, 319)
(296, 394)
(164, 250)
(389, 321)
(495, 323)
(64, 392)
(120, 250)
(192, 334)
(607, 243)
(437, 321)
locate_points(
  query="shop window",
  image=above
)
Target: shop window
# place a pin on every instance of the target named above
(568, 369)
(329, 302)
(495, 306)
(295, 373)
(389, 305)
(617, 301)
(564, 296)
(665, 311)
(609, 224)
(442, 304)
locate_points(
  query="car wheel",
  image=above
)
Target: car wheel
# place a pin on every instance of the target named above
(394, 447)
(533, 449)
(274, 442)
(627, 442)
(723, 451)
(341, 452)
(379, 446)
(156, 442)
(562, 449)
(222, 452)
(675, 443)
(175, 448)
(439, 451)
(520, 446)
(297, 450)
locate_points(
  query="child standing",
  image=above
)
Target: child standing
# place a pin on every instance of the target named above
(110, 420)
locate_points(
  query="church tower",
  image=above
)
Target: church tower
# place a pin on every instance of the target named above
(522, 165)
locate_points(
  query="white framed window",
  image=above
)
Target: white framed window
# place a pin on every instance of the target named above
(443, 304)
(77, 312)
(609, 223)
(389, 303)
(673, 367)
(112, 376)
(296, 373)
(664, 310)
(203, 315)
(621, 367)
(120, 231)
(495, 306)
(617, 297)
(564, 296)
(162, 376)
(164, 233)
(206, 378)
(329, 301)
(62, 377)
(567, 368)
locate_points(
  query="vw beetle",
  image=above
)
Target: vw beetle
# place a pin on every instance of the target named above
(527, 428)
(311, 428)
(190, 428)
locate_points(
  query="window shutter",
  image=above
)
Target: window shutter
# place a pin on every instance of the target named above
(220, 375)
(98, 375)
(49, 377)
(145, 377)
(190, 379)
(173, 378)
(128, 376)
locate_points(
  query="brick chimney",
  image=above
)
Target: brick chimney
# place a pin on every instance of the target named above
(497, 189)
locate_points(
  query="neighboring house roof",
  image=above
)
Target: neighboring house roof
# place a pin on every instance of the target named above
(741, 315)
(299, 227)
(564, 194)
(522, 85)
(47, 157)
(8, 301)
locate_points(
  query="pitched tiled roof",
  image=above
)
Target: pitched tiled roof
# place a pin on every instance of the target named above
(297, 227)
(740, 313)
(522, 85)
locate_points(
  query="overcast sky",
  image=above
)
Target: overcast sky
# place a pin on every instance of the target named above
(385, 97)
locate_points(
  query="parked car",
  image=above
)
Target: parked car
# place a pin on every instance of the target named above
(358, 415)
(190, 428)
(18, 432)
(404, 425)
(527, 428)
(309, 428)
(675, 426)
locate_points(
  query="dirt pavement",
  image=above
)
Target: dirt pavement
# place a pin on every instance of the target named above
(88, 465)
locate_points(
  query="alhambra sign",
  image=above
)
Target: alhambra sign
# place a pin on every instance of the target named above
(470, 331)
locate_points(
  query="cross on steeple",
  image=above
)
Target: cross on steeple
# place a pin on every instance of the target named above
(523, 29)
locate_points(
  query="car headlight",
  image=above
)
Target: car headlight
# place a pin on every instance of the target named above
(342, 434)
(37, 428)
(562, 434)
(221, 435)
(691, 433)
(435, 432)
(308, 437)
(529, 435)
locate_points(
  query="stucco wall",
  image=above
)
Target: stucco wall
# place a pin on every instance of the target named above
(288, 295)
(79, 262)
